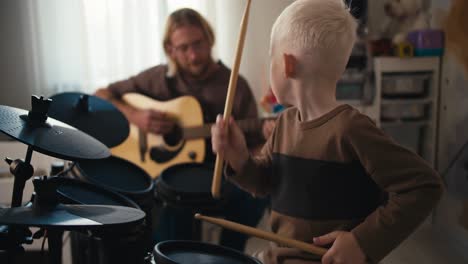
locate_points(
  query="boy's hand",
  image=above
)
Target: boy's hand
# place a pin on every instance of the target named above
(267, 128)
(345, 248)
(230, 145)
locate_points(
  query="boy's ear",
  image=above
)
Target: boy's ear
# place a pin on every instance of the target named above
(290, 65)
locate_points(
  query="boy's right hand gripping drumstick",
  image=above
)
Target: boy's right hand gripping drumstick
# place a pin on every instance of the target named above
(216, 184)
(264, 235)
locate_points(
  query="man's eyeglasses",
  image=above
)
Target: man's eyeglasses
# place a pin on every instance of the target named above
(196, 46)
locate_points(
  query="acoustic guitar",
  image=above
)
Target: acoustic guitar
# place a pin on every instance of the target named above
(154, 153)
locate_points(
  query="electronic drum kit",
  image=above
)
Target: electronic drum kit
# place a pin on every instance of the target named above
(106, 203)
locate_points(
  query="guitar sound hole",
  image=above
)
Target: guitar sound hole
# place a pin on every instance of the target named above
(161, 155)
(173, 138)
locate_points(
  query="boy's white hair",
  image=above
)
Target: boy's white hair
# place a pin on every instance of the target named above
(324, 29)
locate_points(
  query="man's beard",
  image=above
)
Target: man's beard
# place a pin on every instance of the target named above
(195, 70)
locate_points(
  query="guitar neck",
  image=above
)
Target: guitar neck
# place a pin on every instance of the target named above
(247, 125)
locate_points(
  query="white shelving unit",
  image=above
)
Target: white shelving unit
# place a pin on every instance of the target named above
(427, 126)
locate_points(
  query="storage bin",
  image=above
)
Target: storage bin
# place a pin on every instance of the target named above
(403, 111)
(405, 85)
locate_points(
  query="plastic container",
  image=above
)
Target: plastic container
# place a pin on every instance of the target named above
(428, 42)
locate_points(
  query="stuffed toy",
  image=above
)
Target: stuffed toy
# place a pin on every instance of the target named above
(404, 16)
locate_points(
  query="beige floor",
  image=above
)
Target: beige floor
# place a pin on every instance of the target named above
(425, 245)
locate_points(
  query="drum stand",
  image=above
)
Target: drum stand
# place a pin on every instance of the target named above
(45, 198)
(56, 139)
(15, 237)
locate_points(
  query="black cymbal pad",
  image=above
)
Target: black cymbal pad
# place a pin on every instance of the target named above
(52, 137)
(92, 115)
(72, 217)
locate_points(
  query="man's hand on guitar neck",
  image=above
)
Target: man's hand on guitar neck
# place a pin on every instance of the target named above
(153, 121)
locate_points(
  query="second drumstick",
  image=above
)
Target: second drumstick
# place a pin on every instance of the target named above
(263, 235)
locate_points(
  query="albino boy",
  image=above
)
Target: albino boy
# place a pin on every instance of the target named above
(334, 178)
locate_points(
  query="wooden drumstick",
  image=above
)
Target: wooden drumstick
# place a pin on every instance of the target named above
(264, 235)
(216, 184)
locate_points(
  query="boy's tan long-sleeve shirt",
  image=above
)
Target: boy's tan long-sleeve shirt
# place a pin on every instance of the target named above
(339, 172)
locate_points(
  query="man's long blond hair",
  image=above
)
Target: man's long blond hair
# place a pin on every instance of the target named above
(456, 30)
(184, 17)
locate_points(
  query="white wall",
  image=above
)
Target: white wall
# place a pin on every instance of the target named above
(255, 60)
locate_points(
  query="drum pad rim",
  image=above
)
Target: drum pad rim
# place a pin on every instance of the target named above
(178, 245)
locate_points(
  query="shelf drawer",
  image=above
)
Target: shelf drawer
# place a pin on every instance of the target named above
(403, 111)
(405, 85)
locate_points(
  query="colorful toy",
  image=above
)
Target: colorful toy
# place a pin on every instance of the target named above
(429, 42)
(404, 49)
(270, 104)
(404, 16)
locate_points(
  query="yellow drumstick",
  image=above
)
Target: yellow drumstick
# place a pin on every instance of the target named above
(264, 235)
(216, 183)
